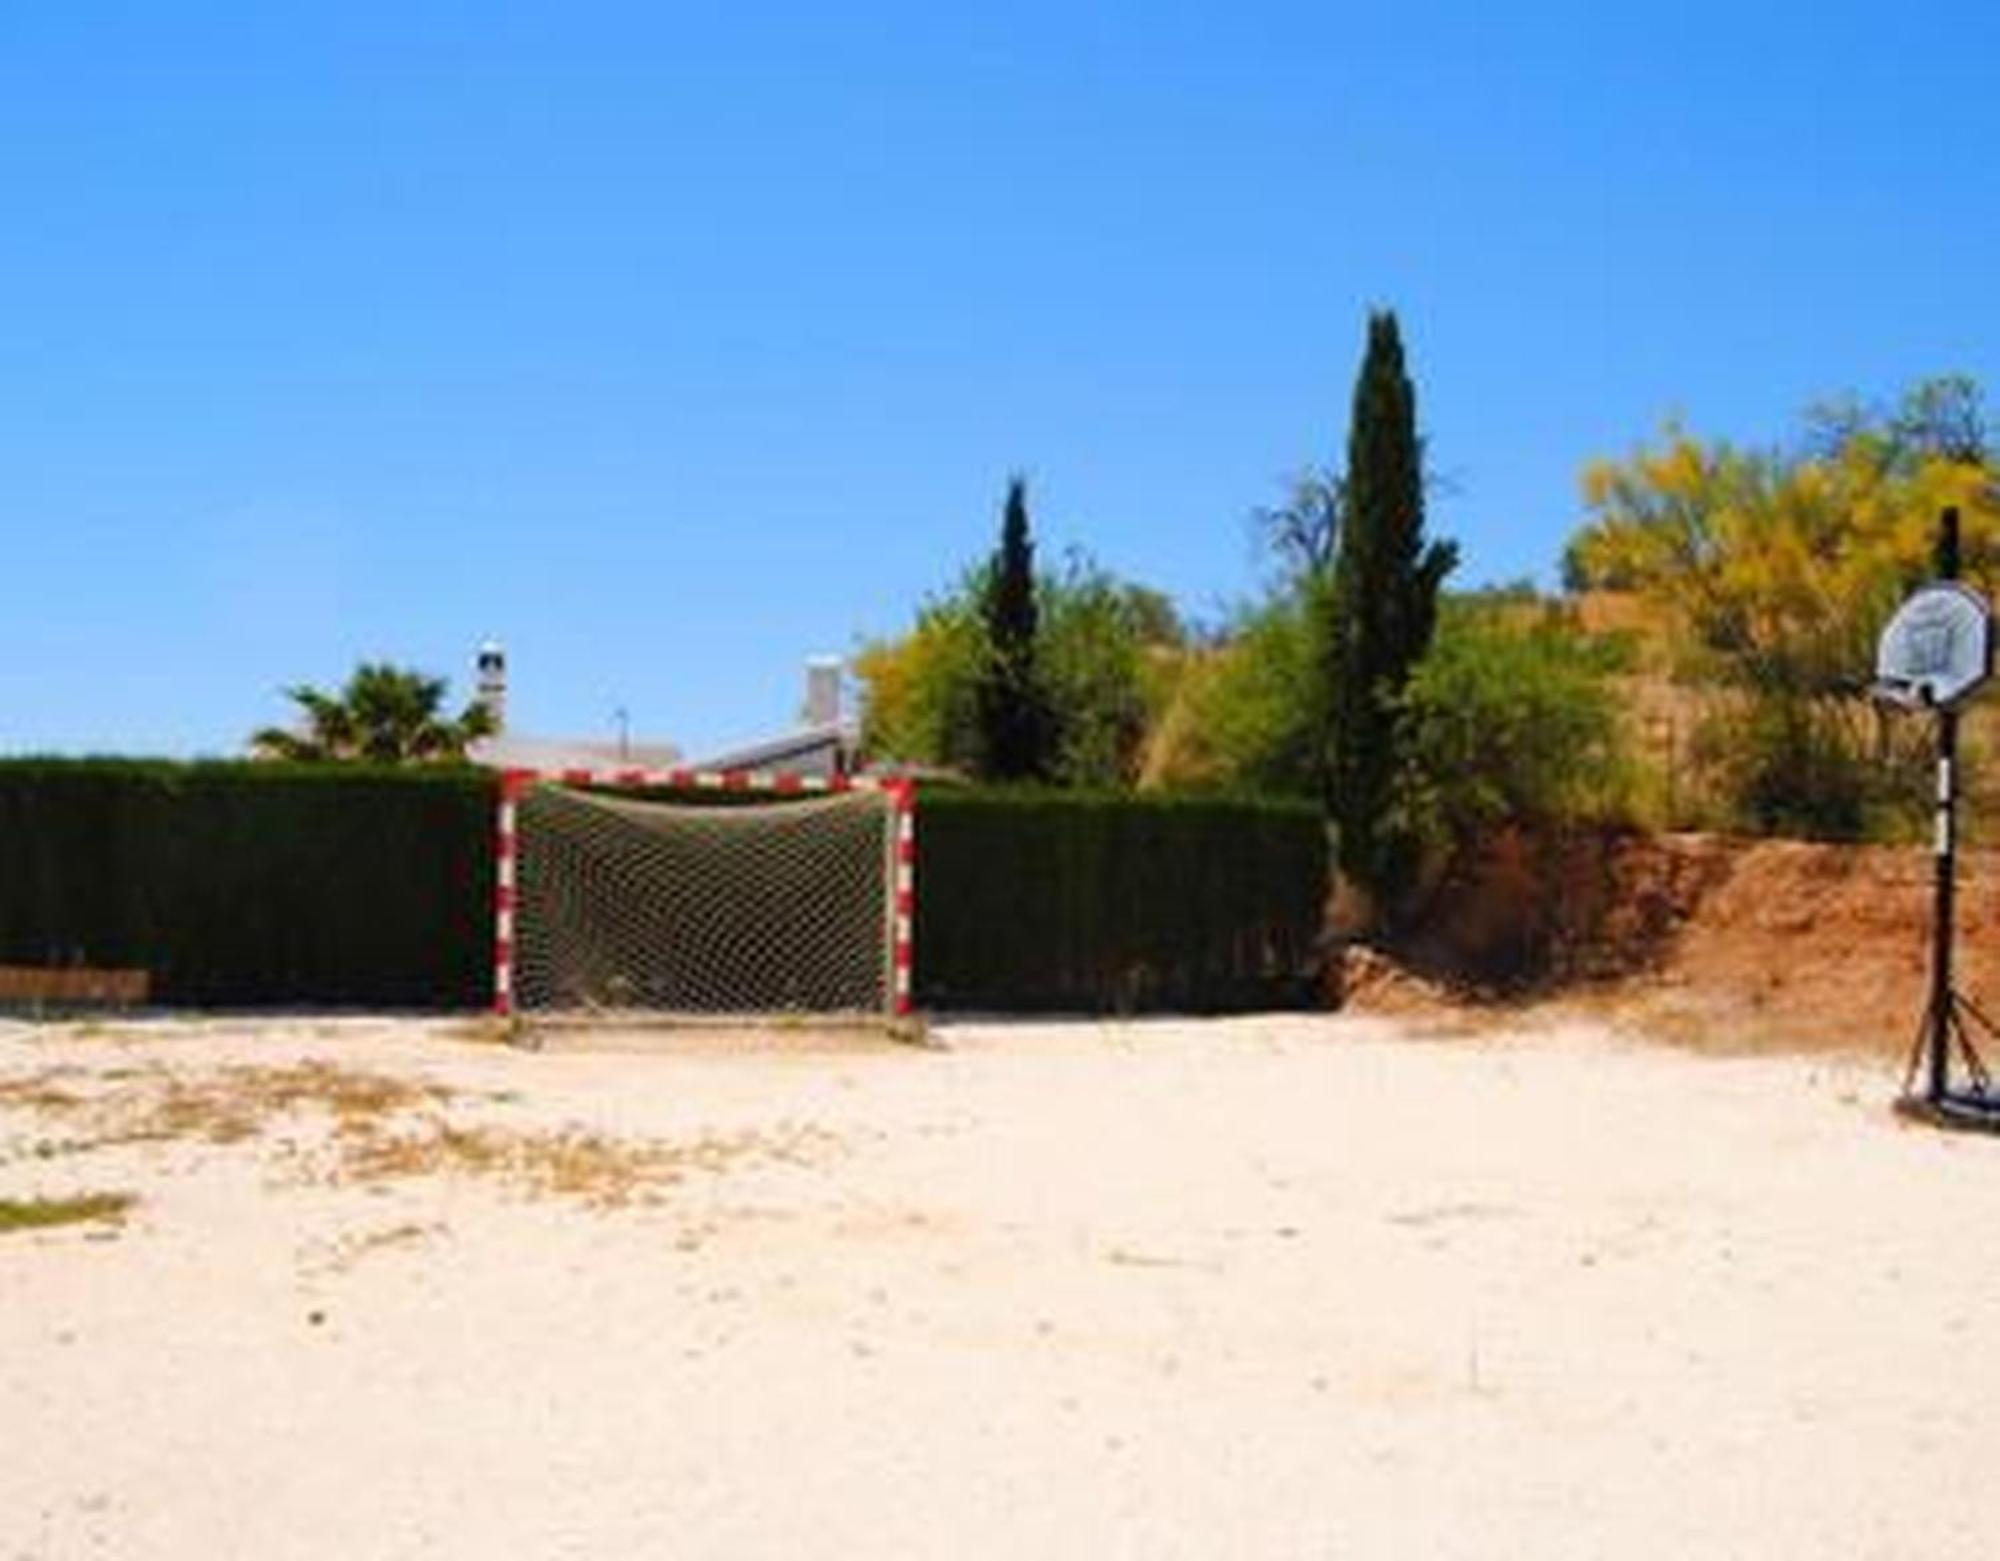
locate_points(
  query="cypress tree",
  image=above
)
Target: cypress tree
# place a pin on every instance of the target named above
(1016, 733)
(1382, 608)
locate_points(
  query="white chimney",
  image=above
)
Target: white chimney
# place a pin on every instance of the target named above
(493, 683)
(823, 690)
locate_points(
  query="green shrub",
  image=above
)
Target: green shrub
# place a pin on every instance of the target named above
(1512, 716)
(1250, 713)
(1031, 900)
(253, 884)
(1098, 655)
(1819, 769)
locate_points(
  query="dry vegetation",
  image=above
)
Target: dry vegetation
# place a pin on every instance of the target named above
(78, 1209)
(229, 1105)
(599, 1171)
(353, 1126)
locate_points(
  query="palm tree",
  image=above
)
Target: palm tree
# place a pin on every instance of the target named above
(384, 715)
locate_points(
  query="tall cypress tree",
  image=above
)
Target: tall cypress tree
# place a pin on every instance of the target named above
(1383, 608)
(1016, 732)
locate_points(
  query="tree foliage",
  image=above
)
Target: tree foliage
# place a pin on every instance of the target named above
(1380, 612)
(384, 714)
(1776, 569)
(1107, 653)
(1513, 715)
(1017, 735)
(920, 691)
(1110, 651)
(1779, 567)
(1248, 712)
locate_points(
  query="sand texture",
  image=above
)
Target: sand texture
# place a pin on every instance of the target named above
(1272, 1287)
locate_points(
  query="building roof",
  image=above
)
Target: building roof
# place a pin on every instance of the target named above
(808, 749)
(513, 751)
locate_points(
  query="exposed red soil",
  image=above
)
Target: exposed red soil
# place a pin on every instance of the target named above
(1731, 944)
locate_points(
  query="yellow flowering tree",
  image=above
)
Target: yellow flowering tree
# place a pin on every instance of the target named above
(1776, 569)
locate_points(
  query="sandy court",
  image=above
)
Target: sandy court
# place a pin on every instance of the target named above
(1282, 1286)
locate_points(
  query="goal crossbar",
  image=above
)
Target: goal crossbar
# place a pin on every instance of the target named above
(560, 942)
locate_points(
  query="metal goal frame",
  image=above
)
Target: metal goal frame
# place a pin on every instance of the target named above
(899, 864)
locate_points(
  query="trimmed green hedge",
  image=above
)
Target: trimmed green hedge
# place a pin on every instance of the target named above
(1053, 901)
(264, 885)
(240, 884)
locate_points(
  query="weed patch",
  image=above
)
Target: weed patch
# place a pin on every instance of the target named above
(46, 1213)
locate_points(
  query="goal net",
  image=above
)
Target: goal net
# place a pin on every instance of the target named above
(741, 905)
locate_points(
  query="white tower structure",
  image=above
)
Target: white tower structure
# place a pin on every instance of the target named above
(823, 690)
(493, 683)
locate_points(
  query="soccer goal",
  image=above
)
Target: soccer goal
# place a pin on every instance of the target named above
(698, 895)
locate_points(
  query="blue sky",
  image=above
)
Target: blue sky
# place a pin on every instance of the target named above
(671, 343)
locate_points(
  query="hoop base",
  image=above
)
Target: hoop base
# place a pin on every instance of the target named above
(1960, 1111)
(1974, 1107)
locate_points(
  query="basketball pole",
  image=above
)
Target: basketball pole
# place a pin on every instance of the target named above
(1940, 1017)
(1945, 1016)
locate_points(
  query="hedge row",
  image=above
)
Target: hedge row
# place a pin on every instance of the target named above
(242, 884)
(1053, 901)
(259, 885)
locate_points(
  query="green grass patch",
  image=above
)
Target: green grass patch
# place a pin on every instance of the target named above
(42, 1213)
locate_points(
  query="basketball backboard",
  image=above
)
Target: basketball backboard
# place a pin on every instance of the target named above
(1937, 649)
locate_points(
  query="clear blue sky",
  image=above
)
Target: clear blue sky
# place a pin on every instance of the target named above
(673, 342)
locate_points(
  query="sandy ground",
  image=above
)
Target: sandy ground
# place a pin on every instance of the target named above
(1264, 1287)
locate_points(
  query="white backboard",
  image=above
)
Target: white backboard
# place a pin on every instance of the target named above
(1938, 647)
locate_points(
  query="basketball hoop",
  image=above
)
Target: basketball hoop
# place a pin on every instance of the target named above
(1934, 654)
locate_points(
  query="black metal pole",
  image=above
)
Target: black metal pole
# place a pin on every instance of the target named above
(1941, 918)
(1945, 848)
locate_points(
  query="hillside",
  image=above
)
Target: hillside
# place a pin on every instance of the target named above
(1714, 942)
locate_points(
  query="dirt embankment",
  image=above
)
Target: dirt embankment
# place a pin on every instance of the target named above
(1735, 944)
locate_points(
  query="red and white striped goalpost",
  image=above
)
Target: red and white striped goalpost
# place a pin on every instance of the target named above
(900, 869)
